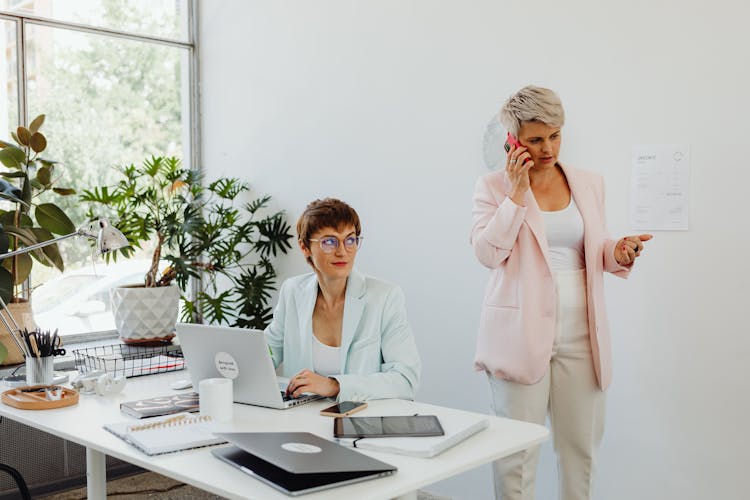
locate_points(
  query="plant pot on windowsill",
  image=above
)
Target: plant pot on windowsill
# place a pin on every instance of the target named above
(145, 314)
(204, 233)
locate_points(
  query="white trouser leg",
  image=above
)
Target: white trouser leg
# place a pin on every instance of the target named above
(569, 391)
(515, 475)
(577, 405)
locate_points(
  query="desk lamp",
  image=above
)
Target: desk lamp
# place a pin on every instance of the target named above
(108, 238)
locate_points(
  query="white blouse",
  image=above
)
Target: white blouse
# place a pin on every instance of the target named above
(564, 229)
(326, 359)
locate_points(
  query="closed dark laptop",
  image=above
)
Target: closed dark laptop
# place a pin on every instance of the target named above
(298, 462)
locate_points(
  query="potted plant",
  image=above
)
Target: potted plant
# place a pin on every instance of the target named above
(202, 232)
(28, 184)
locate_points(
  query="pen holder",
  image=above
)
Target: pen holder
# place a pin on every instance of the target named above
(39, 370)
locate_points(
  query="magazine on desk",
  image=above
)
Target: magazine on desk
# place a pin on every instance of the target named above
(168, 434)
(162, 405)
(457, 426)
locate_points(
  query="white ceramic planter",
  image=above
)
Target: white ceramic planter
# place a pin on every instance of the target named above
(145, 313)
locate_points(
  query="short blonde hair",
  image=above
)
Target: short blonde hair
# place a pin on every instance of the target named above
(532, 104)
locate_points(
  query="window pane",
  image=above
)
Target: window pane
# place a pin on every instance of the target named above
(109, 102)
(163, 18)
(8, 80)
(77, 301)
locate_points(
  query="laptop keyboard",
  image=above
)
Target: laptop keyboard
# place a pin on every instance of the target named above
(289, 397)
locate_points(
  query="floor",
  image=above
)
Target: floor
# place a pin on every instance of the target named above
(152, 485)
(144, 485)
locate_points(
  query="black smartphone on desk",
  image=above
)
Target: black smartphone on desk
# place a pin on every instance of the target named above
(390, 426)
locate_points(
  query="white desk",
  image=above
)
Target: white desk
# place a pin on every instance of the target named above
(83, 422)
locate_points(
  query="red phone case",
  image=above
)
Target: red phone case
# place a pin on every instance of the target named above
(511, 140)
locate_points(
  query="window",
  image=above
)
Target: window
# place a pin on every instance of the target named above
(167, 19)
(115, 81)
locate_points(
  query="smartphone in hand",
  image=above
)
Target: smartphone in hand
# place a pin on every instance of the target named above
(343, 409)
(510, 140)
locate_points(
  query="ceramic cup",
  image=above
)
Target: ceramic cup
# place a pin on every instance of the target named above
(216, 398)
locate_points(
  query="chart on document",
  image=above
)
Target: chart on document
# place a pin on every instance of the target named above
(660, 187)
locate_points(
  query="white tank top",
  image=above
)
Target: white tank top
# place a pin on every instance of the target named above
(326, 359)
(564, 230)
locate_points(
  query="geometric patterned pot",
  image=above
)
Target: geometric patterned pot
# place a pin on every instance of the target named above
(145, 313)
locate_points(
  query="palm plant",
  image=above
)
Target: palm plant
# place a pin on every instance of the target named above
(203, 232)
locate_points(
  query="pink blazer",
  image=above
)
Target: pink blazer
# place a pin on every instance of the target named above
(517, 325)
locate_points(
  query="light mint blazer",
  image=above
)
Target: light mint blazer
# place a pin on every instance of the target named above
(379, 357)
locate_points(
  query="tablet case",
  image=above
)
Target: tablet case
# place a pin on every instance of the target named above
(458, 426)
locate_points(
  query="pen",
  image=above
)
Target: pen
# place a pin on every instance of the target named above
(34, 347)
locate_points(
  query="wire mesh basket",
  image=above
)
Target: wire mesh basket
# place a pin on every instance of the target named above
(129, 360)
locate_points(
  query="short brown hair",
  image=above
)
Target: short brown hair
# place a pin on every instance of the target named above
(328, 212)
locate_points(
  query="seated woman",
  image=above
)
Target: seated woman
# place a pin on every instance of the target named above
(339, 333)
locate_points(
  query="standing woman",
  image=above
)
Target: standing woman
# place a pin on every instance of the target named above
(543, 340)
(339, 333)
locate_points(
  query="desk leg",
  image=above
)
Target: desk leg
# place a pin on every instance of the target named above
(412, 495)
(96, 474)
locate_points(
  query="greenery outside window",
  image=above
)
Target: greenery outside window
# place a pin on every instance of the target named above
(116, 81)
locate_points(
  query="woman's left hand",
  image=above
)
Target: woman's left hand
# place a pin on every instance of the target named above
(309, 381)
(629, 247)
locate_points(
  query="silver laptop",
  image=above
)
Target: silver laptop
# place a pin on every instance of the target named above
(298, 462)
(239, 354)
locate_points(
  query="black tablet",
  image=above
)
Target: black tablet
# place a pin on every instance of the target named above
(390, 426)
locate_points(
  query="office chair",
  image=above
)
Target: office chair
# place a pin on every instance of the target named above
(18, 478)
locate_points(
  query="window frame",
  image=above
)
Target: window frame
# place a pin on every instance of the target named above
(23, 20)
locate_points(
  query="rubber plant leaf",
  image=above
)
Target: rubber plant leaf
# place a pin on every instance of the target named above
(54, 220)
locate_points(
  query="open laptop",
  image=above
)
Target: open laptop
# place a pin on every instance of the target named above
(298, 462)
(239, 354)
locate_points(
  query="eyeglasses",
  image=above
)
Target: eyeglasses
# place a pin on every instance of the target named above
(329, 244)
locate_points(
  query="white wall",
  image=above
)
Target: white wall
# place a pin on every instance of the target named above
(384, 103)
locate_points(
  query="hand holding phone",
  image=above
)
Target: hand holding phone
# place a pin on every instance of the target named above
(343, 409)
(510, 140)
(518, 174)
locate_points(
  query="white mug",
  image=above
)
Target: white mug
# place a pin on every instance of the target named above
(216, 398)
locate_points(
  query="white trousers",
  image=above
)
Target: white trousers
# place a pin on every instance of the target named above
(571, 395)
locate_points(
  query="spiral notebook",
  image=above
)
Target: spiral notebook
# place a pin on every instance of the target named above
(167, 435)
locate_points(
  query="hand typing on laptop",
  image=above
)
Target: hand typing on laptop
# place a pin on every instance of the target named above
(307, 381)
(254, 378)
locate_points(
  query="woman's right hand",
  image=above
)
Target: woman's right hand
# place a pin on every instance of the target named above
(518, 173)
(311, 382)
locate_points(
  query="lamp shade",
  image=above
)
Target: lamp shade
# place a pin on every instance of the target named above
(110, 238)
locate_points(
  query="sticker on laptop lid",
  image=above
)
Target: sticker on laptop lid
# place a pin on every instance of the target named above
(301, 448)
(226, 365)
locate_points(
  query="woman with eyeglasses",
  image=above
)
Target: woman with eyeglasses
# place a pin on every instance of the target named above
(339, 333)
(543, 341)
